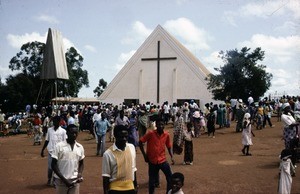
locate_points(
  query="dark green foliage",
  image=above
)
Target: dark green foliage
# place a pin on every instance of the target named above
(27, 88)
(100, 88)
(241, 76)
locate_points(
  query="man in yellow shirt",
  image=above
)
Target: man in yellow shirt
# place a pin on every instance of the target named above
(119, 165)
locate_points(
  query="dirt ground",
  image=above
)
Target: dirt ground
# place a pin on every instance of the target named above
(219, 166)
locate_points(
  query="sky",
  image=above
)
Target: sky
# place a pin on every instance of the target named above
(108, 32)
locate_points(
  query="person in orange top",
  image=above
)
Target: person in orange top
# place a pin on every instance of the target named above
(155, 156)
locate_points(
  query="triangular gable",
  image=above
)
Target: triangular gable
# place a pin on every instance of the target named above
(195, 66)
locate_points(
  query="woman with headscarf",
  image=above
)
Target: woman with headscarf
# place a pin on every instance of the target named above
(290, 128)
(178, 139)
(289, 125)
(247, 134)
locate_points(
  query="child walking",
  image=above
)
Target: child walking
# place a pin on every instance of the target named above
(247, 134)
(188, 145)
(286, 171)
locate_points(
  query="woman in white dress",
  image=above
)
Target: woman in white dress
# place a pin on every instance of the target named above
(286, 170)
(247, 134)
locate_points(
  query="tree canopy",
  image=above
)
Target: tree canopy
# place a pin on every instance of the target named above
(26, 86)
(241, 76)
(100, 88)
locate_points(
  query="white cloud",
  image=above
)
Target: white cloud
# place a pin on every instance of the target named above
(138, 34)
(213, 61)
(288, 26)
(47, 18)
(90, 48)
(16, 41)
(277, 49)
(270, 8)
(280, 55)
(194, 38)
(122, 60)
(265, 9)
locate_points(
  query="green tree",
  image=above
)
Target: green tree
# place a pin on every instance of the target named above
(29, 62)
(241, 76)
(78, 77)
(18, 91)
(100, 88)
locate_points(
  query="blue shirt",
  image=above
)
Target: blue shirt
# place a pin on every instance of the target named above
(101, 126)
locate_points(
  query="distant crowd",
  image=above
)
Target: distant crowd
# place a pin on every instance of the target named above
(140, 124)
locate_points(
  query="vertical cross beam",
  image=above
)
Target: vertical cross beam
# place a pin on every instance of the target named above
(158, 59)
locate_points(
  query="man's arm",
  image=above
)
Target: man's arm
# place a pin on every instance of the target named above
(55, 168)
(80, 170)
(171, 154)
(135, 183)
(105, 184)
(45, 145)
(141, 145)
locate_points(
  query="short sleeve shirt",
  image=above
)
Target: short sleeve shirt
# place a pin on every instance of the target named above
(54, 137)
(156, 145)
(68, 159)
(109, 163)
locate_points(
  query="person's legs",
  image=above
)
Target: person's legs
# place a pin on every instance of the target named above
(247, 151)
(152, 172)
(50, 172)
(165, 167)
(98, 144)
(243, 150)
(61, 188)
(102, 150)
(269, 121)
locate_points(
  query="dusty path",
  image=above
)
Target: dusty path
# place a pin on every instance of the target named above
(219, 166)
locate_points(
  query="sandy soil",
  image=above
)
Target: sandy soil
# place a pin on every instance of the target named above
(219, 166)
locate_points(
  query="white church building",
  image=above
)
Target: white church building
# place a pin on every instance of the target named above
(162, 69)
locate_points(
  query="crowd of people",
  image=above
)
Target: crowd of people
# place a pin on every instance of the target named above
(131, 127)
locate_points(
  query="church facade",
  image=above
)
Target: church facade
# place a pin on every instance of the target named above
(162, 69)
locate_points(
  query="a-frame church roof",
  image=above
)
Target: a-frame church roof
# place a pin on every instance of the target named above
(136, 79)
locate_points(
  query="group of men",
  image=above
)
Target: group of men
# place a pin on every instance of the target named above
(66, 156)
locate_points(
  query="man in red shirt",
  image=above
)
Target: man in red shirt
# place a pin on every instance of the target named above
(157, 140)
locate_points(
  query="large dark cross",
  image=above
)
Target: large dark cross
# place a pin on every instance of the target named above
(158, 59)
